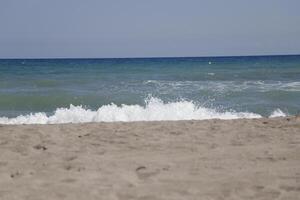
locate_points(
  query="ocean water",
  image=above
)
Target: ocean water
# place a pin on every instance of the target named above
(146, 89)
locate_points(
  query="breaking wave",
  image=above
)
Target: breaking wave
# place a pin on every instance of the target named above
(278, 113)
(154, 110)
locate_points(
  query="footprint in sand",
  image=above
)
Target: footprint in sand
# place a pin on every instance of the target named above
(40, 147)
(15, 174)
(145, 172)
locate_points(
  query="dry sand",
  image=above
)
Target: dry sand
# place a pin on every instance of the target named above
(213, 159)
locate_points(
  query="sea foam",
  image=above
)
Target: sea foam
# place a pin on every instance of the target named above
(278, 113)
(154, 110)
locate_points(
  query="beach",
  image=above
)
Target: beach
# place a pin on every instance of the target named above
(208, 159)
(149, 100)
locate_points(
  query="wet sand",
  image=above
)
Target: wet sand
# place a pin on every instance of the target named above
(211, 159)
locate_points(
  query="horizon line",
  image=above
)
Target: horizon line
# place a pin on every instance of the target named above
(146, 57)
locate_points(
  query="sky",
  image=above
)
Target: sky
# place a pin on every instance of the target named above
(148, 28)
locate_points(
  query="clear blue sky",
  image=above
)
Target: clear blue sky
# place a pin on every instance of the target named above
(148, 28)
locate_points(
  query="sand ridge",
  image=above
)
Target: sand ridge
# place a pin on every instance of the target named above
(210, 159)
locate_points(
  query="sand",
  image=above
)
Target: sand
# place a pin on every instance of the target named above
(211, 159)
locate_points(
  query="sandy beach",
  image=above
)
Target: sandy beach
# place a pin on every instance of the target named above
(210, 159)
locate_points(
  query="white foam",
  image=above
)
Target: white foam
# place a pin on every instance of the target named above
(225, 86)
(278, 113)
(155, 110)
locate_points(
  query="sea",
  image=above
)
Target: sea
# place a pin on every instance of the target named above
(52, 91)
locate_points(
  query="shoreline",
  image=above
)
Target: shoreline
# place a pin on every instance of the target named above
(188, 159)
(156, 121)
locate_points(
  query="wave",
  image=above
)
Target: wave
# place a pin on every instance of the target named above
(278, 113)
(225, 86)
(154, 110)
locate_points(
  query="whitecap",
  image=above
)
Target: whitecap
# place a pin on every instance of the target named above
(277, 113)
(154, 110)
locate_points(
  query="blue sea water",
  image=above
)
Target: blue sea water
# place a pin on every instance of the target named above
(138, 89)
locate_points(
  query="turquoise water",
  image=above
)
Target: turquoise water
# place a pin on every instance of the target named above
(257, 84)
